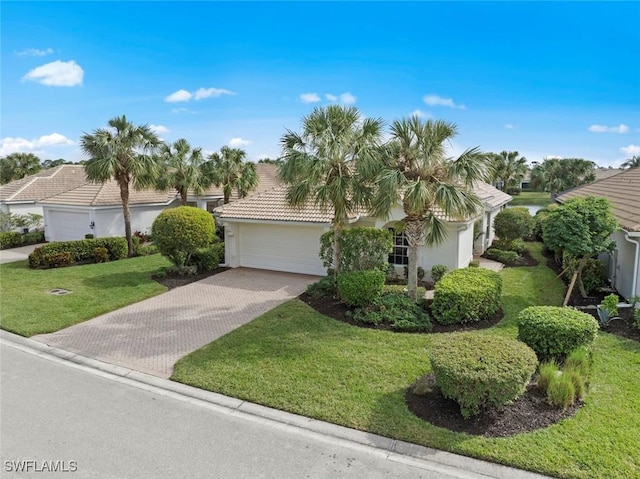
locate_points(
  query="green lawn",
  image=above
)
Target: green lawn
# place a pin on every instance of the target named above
(27, 309)
(297, 360)
(539, 198)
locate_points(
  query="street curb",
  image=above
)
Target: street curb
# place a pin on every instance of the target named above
(394, 450)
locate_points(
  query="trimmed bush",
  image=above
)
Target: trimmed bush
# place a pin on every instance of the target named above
(360, 288)
(57, 260)
(180, 232)
(502, 256)
(396, 310)
(438, 271)
(81, 251)
(467, 295)
(209, 258)
(35, 237)
(512, 224)
(361, 249)
(10, 239)
(147, 250)
(481, 371)
(553, 332)
(101, 254)
(323, 288)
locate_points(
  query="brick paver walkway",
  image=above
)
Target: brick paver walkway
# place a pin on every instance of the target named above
(150, 336)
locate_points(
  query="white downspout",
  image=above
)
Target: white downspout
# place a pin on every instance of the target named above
(634, 282)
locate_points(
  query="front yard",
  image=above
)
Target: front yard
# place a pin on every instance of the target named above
(298, 360)
(27, 309)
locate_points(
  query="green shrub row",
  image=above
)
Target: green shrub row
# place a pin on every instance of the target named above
(508, 258)
(553, 332)
(208, 258)
(80, 251)
(13, 239)
(396, 310)
(467, 295)
(481, 371)
(360, 288)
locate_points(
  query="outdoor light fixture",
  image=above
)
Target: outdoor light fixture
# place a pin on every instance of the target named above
(92, 224)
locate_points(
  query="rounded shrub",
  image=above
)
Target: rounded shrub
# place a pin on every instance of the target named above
(481, 371)
(553, 332)
(513, 224)
(467, 295)
(438, 271)
(180, 232)
(360, 288)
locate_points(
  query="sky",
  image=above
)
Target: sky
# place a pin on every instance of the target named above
(545, 79)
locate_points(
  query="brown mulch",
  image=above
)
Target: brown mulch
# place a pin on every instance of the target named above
(528, 413)
(175, 280)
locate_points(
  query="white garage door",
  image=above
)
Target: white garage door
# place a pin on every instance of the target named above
(281, 248)
(67, 225)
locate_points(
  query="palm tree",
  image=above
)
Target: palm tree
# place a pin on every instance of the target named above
(329, 161)
(510, 168)
(183, 169)
(229, 170)
(122, 152)
(632, 162)
(419, 175)
(18, 165)
(559, 174)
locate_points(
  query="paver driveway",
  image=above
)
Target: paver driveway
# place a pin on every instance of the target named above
(150, 336)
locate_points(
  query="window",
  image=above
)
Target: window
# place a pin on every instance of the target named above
(399, 255)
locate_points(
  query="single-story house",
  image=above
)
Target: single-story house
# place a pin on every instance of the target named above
(262, 231)
(21, 197)
(623, 192)
(97, 208)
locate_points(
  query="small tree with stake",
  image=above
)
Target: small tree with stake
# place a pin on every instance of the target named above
(580, 228)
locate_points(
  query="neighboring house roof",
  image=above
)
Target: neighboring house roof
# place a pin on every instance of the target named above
(602, 173)
(268, 179)
(272, 205)
(43, 184)
(622, 190)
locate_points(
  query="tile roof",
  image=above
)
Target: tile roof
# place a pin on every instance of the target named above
(622, 190)
(268, 179)
(602, 173)
(272, 206)
(43, 184)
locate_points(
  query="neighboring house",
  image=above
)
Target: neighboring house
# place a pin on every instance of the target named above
(21, 196)
(262, 231)
(97, 208)
(623, 191)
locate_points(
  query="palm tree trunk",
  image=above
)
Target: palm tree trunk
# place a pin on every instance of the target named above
(414, 231)
(183, 197)
(337, 233)
(124, 195)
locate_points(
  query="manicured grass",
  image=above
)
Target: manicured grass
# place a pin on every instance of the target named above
(531, 198)
(295, 359)
(27, 309)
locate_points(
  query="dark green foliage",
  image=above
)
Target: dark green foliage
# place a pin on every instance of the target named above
(207, 259)
(101, 254)
(420, 272)
(594, 273)
(10, 239)
(481, 371)
(147, 250)
(474, 263)
(467, 295)
(35, 237)
(512, 224)
(506, 257)
(89, 236)
(553, 332)
(81, 251)
(538, 223)
(397, 310)
(57, 260)
(323, 288)
(438, 271)
(180, 232)
(360, 288)
(361, 248)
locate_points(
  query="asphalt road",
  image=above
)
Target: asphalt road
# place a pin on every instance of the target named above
(56, 414)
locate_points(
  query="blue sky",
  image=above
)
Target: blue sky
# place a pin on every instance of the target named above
(545, 79)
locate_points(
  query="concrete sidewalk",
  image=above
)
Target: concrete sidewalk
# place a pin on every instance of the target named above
(151, 335)
(17, 254)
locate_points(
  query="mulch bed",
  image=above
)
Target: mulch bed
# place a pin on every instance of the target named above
(176, 280)
(528, 413)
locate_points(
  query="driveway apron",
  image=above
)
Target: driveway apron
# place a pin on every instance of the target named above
(150, 336)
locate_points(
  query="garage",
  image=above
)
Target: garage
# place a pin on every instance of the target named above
(277, 247)
(67, 225)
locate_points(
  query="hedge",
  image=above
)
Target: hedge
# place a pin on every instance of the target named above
(502, 256)
(553, 332)
(207, 259)
(81, 251)
(481, 371)
(13, 239)
(467, 295)
(360, 288)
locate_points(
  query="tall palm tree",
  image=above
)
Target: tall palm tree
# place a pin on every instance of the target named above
(16, 166)
(183, 168)
(122, 152)
(632, 162)
(419, 175)
(229, 170)
(559, 174)
(510, 168)
(328, 163)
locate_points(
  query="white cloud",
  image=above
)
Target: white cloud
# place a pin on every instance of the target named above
(421, 114)
(553, 157)
(10, 145)
(331, 97)
(435, 100)
(309, 97)
(347, 98)
(211, 92)
(621, 128)
(509, 126)
(34, 52)
(631, 150)
(159, 129)
(237, 142)
(57, 74)
(177, 96)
